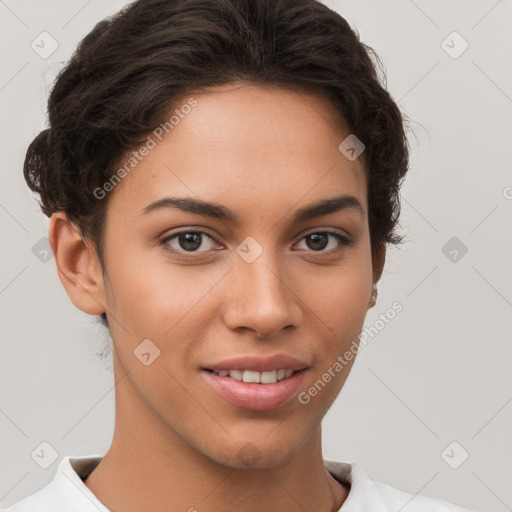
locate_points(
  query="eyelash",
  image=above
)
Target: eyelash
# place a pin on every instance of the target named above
(344, 242)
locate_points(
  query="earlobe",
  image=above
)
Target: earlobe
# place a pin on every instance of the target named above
(77, 265)
(373, 297)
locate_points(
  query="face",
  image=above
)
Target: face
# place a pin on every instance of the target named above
(255, 277)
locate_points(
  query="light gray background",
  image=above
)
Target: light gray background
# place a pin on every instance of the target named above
(439, 372)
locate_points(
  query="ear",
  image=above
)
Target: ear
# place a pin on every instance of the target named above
(378, 260)
(78, 265)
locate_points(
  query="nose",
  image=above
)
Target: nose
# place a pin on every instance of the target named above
(262, 298)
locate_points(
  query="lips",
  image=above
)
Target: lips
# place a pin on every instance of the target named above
(253, 396)
(258, 364)
(241, 380)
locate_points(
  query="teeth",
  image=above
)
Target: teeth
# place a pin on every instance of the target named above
(235, 374)
(256, 377)
(249, 376)
(268, 377)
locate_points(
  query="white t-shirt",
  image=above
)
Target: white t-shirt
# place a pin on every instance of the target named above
(68, 493)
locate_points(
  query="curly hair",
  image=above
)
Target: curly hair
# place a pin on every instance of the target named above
(124, 76)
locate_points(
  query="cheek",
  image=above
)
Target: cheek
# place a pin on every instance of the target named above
(335, 324)
(339, 304)
(340, 295)
(152, 297)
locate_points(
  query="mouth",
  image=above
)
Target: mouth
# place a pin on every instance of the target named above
(249, 376)
(256, 391)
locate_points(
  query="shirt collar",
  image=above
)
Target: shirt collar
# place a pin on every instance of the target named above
(72, 471)
(69, 483)
(361, 487)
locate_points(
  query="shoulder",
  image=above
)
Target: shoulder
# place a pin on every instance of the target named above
(66, 492)
(411, 502)
(40, 501)
(366, 494)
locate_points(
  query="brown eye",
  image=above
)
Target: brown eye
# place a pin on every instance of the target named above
(188, 241)
(319, 241)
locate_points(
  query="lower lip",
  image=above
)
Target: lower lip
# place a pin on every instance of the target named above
(253, 396)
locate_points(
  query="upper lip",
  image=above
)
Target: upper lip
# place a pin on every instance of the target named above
(259, 364)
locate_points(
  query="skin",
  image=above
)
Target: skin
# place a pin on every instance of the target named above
(263, 152)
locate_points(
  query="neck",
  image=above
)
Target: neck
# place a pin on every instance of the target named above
(150, 467)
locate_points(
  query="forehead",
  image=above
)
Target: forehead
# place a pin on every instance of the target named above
(245, 145)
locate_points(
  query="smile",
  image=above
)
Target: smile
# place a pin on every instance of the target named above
(255, 377)
(248, 389)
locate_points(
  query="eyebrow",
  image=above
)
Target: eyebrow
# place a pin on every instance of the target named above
(218, 211)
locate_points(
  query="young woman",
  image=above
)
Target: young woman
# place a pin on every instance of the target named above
(222, 178)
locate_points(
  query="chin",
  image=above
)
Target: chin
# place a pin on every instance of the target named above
(253, 454)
